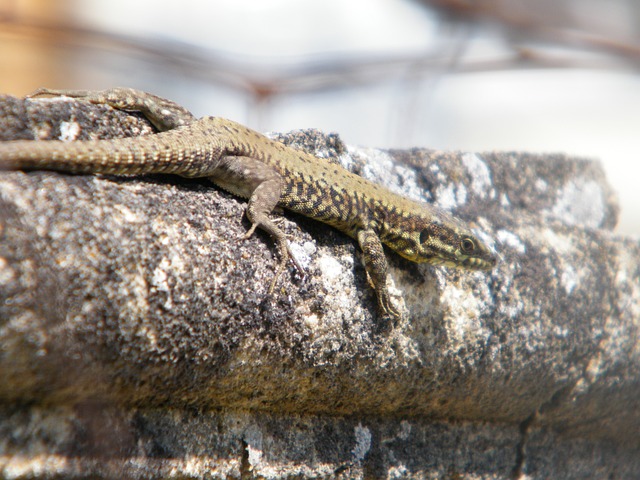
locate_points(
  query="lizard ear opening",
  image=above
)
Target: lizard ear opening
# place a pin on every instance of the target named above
(424, 236)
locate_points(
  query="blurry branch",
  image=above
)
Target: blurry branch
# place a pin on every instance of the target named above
(565, 23)
(530, 45)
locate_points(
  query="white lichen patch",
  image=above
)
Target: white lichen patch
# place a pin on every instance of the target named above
(568, 279)
(173, 263)
(253, 439)
(127, 214)
(7, 273)
(561, 244)
(560, 332)
(171, 266)
(26, 324)
(398, 471)
(136, 304)
(532, 336)
(312, 321)
(512, 309)
(580, 202)
(363, 443)
(159, 279)
(34, 466)
(337, 278)
(567, 252)
(449, 196)
(480, 175)
(541, 185)
(69, 131)
(346, 161)
(464, 310)
(405, 430)
(303, 253)
(331, 269)
(382, 169)
(10, 191)
(511, 240)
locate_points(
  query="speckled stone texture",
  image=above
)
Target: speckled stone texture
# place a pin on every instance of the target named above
(136, 340)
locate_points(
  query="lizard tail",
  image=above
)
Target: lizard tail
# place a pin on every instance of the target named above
(165, 152)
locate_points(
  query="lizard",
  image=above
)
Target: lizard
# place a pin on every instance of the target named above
(268, 174)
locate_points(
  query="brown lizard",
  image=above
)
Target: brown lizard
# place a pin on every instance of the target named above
(268, 173)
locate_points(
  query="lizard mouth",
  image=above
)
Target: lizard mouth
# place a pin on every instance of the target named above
(479, 263)
(470, 263)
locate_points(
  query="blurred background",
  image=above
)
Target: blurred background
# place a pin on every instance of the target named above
(544, 76)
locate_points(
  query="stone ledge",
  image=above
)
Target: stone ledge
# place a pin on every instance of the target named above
(137, 292)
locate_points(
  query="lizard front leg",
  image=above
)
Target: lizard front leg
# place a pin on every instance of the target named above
(375, 264)
(162, 113)
(262, 185)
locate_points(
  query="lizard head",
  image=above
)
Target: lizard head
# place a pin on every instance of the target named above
(440, 239)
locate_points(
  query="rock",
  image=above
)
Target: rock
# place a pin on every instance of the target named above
(137, 339)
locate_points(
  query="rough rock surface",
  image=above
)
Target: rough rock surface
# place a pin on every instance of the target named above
(136, 340)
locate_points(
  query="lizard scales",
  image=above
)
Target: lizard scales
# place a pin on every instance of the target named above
(268, 173)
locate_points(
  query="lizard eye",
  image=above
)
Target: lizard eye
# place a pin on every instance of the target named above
(424, 236)
(467, 245)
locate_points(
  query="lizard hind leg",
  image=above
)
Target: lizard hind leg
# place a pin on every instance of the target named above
(262, 185)
(262, 221)
(262, 201)
(162, 113)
